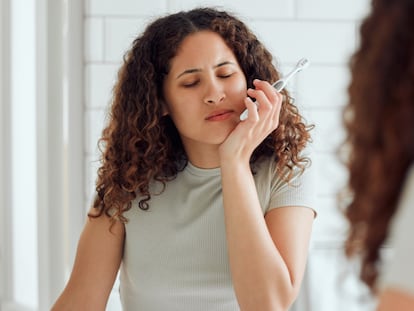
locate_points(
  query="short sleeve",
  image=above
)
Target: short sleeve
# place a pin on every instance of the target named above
(274, 191)
(300, 190)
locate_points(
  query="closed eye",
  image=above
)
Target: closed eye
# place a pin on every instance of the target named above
(191, 84)
(225, 75)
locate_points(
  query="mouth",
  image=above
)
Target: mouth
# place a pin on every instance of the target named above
(219, 115)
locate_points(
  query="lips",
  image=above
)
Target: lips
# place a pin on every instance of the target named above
(219, 115)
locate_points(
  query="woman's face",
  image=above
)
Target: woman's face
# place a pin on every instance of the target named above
(204, 90)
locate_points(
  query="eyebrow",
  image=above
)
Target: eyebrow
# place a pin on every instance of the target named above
(193, 70)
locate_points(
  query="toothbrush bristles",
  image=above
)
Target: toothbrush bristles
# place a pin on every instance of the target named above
(303, 63)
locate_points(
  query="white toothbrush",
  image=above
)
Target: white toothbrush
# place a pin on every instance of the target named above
(281, 83)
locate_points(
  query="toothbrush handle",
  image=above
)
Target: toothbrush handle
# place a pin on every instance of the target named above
(281, 83)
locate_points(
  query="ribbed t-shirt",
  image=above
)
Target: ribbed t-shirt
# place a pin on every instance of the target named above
(175, 253)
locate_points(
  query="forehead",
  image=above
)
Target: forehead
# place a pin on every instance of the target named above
(201, 48)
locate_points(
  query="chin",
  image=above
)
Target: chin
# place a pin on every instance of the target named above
(218, 140)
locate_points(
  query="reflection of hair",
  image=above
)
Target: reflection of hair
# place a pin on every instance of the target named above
(141, 145)
(380, 123)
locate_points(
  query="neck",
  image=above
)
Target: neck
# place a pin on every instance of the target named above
(206, 156)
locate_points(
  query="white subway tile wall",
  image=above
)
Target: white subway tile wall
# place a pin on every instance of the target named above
(94, 39)
(119, 34)
(324, 31)
(110, 8)
(99, 82)
(336, 10)
(323, 86)
(327, 43)
(259, 9)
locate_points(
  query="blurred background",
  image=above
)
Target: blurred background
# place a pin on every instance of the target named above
(58, 63)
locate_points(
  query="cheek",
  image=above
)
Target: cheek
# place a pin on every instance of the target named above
(238, 91)
(180, 109)
(174, 101)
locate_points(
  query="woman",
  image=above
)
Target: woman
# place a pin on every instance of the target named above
(380, 123)
(205, 212)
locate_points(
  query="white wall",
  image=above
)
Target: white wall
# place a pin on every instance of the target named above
(23, 111)
(325, 31)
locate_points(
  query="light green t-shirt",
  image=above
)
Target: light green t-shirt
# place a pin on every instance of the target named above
(175, 255)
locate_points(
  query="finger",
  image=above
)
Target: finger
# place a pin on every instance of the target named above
(267, 88)
(260, 97)
(277, 109)
(252, 108)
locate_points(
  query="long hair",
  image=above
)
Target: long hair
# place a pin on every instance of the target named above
(379, 119)
(141, 145)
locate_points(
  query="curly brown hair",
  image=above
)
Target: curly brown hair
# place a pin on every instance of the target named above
(141, 145)
(379, 119)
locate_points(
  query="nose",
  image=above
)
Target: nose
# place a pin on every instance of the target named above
(214, 93)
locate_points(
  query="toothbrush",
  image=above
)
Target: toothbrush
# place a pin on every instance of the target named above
(281, 83)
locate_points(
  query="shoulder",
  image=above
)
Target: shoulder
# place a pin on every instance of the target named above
(398, 269)
(404, 215)
(266, 170)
